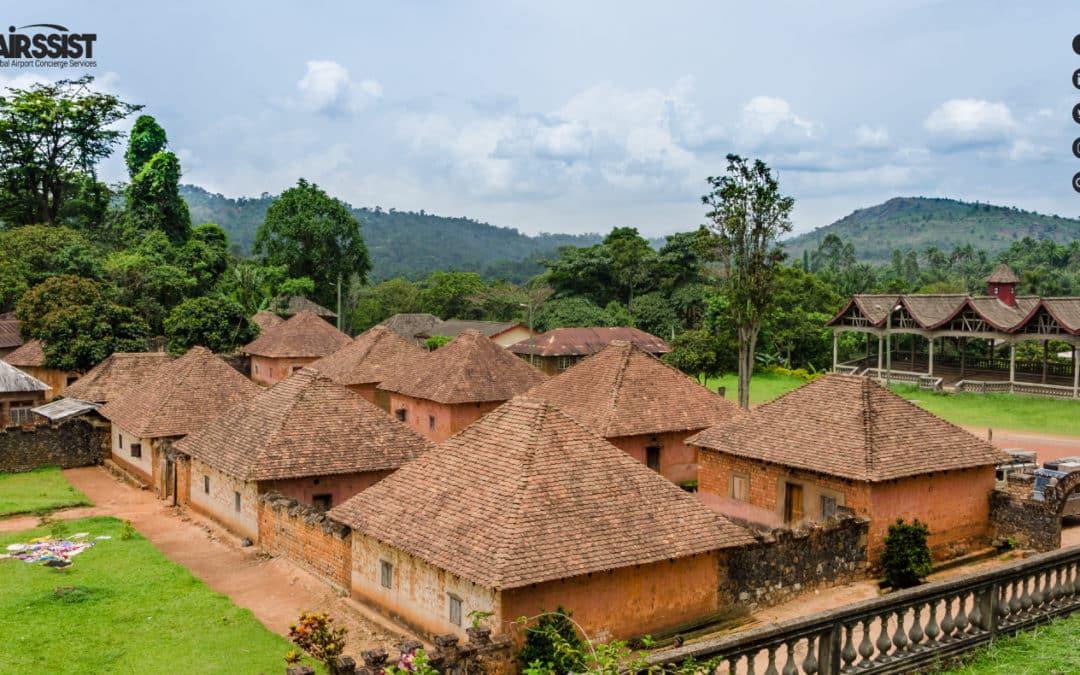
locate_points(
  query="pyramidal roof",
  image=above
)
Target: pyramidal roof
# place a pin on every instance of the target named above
(305, 425)
(302, 336)
(14, 380)
(373, 356)
(1002, 275)
(264, 319)
(117, 374)
(851, 427)
(526, 495)
(180, 396)
(624, 391)
(30, 355)
(470, 369)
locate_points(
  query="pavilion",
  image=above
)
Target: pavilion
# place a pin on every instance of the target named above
(1000, 319)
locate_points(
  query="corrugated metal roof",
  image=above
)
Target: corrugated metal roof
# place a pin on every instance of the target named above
(65, 408)
(12, 380)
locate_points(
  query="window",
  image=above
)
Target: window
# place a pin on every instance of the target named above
(828, 507)
(206, 484)
(565, 362)
(652, 458)
(236, 501)
(431, 422)
(400, 414)
(72, 379)
(121, 441)
(455, 609)
(256, 367)
(386, 574)
(740, 487)
(322, 502)
(136, 449)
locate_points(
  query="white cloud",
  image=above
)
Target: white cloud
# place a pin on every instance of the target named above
(970, 118)
(871, 137)
(326, 87)
(768, 123)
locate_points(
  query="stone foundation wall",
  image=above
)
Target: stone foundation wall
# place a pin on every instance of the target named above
(787, 562)
(1016, 519)
(77, 442)
(307, 537)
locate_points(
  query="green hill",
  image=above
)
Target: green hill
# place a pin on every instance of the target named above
(918, 222)
(403, 243)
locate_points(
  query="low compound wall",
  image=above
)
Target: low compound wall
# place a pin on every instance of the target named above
(1019, 521)
(307, 537)
(787, 562)
(77, 442)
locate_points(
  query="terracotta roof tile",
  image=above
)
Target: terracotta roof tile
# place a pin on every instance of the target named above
(118, 373)
(9, 331)
(298, 303)
(1002, 275)
(526, 495)
(305, 425)
(851, 427)
(455, 327)
(623, 391)
(372, 357)
(410, 326)
(304, 335)
(470, 369)
(180, 396)
(264, 319)
(29, 355)
(588, 340)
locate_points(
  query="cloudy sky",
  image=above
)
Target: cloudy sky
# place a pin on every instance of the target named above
(580, 116)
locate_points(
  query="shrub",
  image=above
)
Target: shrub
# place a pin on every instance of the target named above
(553, 643)
(906, 559)
(127, 530)
(436, 341)
(315, 634)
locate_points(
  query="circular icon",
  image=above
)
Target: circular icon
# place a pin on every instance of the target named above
(1076, 78)
(1076, 113)
(1076, 44)
(1076, 182)
(1076, 148)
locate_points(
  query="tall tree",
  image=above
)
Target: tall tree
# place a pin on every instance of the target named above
(632, 260)
(217, 323)
(146, 140)
(313, 235)
(748, 215)
(51, 137)
(154, 201)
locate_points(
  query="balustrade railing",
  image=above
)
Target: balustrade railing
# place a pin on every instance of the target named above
(905, 630)
(1033, 388)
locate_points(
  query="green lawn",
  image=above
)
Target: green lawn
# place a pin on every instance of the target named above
(37, 491)
(1047, 650)
(131, 611)
(999, 411)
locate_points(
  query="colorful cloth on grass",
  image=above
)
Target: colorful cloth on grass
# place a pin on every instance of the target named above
(52, 553)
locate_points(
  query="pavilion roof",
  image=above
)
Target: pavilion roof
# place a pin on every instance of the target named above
(933, 311)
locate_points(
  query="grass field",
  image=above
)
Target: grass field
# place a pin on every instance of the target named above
(999, 411)
(1047, 650)
(37, 491)
(130, 611)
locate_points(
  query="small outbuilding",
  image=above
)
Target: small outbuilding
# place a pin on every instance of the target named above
(527, 510)
(559, 348)
(370, 358)
(282, 349)
(19, 394)
(30, 358)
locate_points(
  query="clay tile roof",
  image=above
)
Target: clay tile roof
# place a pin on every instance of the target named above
(264, 319)
(14, 380)
(9, 331)
(180, 396)
(930, 311)
(455, 327)
(470, 369)
(586, 341)
(298, 303)
(410, 326)
(118, 373)
(305, 425)
(1003, 316)
(622, 391)
(1002, 275)
(851, 427)
(304, 335)
(371, 358)
(29, 355)
(527, 495)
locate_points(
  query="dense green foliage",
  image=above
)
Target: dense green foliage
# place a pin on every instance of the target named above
(553, 641)
(37, 491)
(122, 607)
(917, 223)
(906, 558)
(218, 323)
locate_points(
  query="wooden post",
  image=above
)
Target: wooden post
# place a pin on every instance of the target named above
(1076, 373)
(1046, 349)
(880, 353)
(931, 341)
(914, 339)
(835, 336)
(1012, 365)
(963, 348)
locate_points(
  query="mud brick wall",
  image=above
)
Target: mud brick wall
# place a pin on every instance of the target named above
(77, 442)
(1024, 521)
(306, 536)
(785, 562)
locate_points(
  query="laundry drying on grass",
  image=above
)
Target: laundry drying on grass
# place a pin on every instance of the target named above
(49, 552)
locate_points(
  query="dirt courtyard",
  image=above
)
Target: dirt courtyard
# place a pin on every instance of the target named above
(274, 589)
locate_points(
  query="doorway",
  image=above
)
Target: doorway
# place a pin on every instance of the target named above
(652, 458)
(793, 502)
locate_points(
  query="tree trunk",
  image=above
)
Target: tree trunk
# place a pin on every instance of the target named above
(747, 343)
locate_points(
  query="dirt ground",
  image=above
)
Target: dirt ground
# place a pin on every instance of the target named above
(1046, 446)
(274, 589)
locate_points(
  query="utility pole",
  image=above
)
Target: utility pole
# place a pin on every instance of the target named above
(339, 302)
(532, 360)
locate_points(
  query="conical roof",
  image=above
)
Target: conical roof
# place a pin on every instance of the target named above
(119, 373)
(527, 495)
(1002, 275)
(373, 356)
(264, 319)
(305, 425)
(303, 336)
(30, 355)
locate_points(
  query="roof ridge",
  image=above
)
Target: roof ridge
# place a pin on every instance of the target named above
(505, 552)
(613, 400)
(172, 390)
(868, 426)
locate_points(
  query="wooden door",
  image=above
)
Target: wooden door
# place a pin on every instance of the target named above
(793, 503)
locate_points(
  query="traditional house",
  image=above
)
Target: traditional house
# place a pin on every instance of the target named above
(412, 326)
(19, 393)
(843, 442)
(528, 510)
(452, 387)
(306, 437)
(30, 358)
(289, 346)
(641, 405)
(118, 374)
(559, 348)
(10, 337)
(290, 306)
(178, 398)
(264, 320)
(372, 357)
(417, 328)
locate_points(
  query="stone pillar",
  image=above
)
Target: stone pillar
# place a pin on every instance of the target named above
(1046, 350)
(963, 349)
(1012, 365)
(930, 372)
(880, 353)
(1076, 373)
(835, 337)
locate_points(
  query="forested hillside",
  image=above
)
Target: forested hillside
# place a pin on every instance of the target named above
(403, 243)
(916, 223)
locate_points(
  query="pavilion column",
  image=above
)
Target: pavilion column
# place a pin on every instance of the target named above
(834, 351)
(963, 348)
(1012, 365)
(914, 339)
(880, 353)
(931, 341)
(1046, 348)
(1076, 373)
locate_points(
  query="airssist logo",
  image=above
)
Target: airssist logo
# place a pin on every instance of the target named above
(46, 45)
